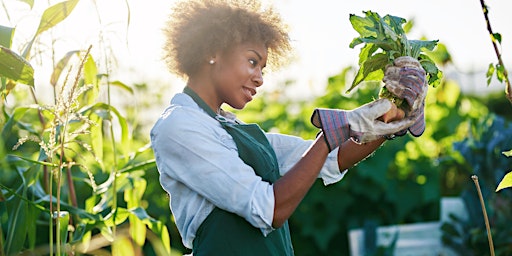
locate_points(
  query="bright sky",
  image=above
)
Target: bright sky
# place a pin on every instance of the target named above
(320, 29)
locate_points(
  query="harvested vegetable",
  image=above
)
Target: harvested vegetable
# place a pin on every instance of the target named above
(385, 40)
(394, 114)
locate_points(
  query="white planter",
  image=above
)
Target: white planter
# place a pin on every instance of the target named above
(418, 239)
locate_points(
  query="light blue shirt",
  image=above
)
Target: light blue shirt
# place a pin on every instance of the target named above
(200, 169)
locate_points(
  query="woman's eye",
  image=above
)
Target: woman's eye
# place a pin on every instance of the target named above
(253, 62)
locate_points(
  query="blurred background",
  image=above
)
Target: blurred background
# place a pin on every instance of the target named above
(468, 127)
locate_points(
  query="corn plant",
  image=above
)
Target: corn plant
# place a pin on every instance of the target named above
(65, 165)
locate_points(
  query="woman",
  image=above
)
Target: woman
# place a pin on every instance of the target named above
(233, 186)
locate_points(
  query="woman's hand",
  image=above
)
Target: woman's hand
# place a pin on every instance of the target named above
(362, 124)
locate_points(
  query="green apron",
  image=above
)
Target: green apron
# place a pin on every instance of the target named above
(225, 233)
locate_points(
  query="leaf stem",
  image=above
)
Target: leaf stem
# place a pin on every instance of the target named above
(487, 226)
(508, 88)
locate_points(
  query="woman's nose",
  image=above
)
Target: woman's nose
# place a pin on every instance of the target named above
(258, 77)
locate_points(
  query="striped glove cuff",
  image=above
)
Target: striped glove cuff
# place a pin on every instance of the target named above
(334, 124)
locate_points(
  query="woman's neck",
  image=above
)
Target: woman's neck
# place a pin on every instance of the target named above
(206, 93)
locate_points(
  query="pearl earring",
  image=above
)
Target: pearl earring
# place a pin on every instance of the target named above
(212, 61)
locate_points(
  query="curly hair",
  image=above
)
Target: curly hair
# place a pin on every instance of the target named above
(196, 29)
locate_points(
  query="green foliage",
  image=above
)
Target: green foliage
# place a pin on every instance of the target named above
(384, 40)
(487, 138)
(506, 182)
(72, 176)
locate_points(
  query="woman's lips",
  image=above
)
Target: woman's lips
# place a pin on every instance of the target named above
(249, 92)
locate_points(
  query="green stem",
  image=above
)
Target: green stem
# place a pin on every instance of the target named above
(114, 187)
(51, 210)
(2, 253)
(508, 87)
(487, 226)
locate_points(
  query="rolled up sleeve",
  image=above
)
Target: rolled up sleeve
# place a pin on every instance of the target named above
(289, 149)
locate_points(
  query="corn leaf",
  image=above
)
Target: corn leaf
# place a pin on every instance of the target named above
(123, 246)
(6, 35)
(57, 71)
(51, 17)
(34, 161)
(29, 2)
(32, 216)
(122, 86)
(133, 199)
(16, 68)
(117, 217)
(97, 137)
(104, 110)
(156, 226)
(63, 222)
(17, 224)
(139, 166)
(55, 14)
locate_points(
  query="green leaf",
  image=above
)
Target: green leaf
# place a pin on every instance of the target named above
(122, 86)
(101, 107)
(57, 71)
(387, 34)
(90, 71)
(133, 198)
(396, 23)
(375, 63)
(121, 214)
(55, 14)
(364, 26)
(97, 137)
(15, 120)
(63, 222)
(51, 17)
(156, 226)
(496, 37)
(16, 68)
(16, 226)
(32, 217)
(418, 45)
(34, 161)
(507, 153)
(506, 182)
(6, 35)
(29, 2)
(490, 73)
(139, 166)
(500, 72)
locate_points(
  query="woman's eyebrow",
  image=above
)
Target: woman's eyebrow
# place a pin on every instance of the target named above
(256, 52)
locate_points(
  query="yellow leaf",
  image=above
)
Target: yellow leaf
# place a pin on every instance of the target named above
(506, 182)
(122, 246)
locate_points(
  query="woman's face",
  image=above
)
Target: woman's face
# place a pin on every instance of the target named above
(237, 73)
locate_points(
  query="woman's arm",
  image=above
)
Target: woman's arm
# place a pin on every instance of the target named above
(351, 153)
(290, 189)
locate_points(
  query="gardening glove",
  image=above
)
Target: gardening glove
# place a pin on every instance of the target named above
(360, 125)
(406, 79)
